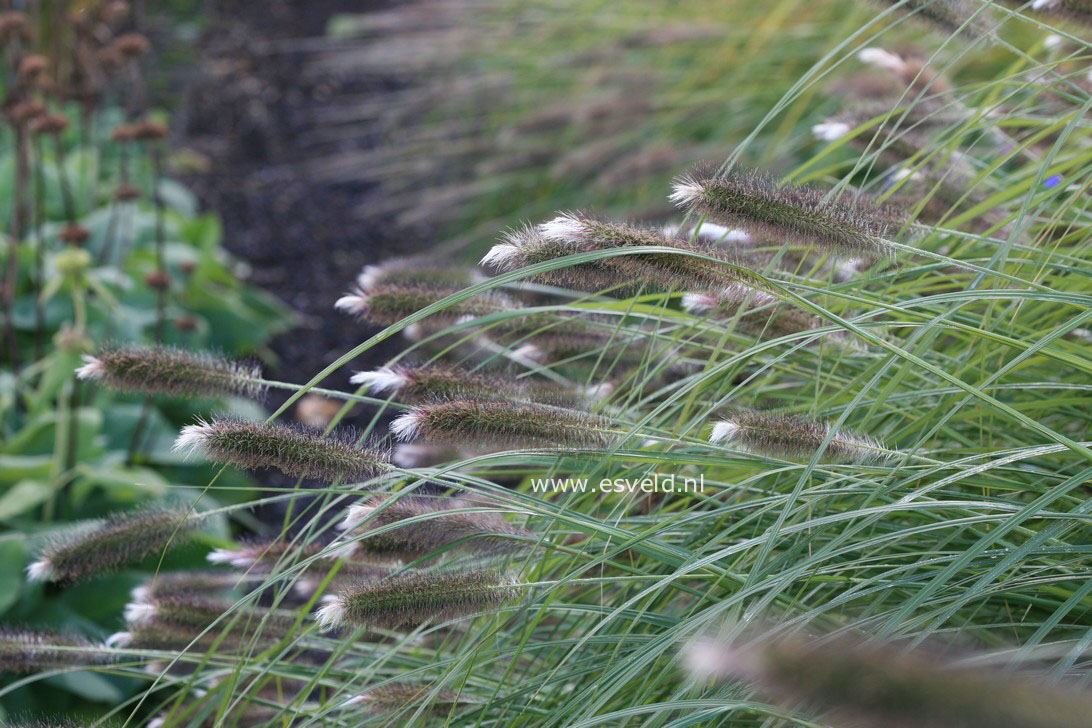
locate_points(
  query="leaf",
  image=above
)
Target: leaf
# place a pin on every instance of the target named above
(90, 686)
(12, 558)
(23, 496)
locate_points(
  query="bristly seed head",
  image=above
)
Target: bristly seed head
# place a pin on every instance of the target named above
(428, 525)
(438, 381)
(877, 686)
(570, 233)
(414, 598)
(385, 304)
(165, 370)
(292, 450)
(121, 540)
(795, 438)
(28, 651)
(503, 424)
(840, 227)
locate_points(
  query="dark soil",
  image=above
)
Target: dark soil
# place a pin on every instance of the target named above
(247, 110)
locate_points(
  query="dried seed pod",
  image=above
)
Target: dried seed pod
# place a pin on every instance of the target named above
(386, 304)
(166, 370)
(131, 45)
(292, 450)
(502, 424)
(120, 540)
(842, 228)
(795, 438)
(29, 651)
(879, 686)
(414, 598)
(432, 527)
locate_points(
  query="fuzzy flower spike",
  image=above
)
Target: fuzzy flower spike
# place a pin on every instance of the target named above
(26, 651)
(863, 684)
(293, 451)
(427, 525)
(843, 228)
(385, 304)
(795, 438)
(414, 598)
(164, 370)
(438, 381)
(570, 233)
(502, 424)
(121, 540)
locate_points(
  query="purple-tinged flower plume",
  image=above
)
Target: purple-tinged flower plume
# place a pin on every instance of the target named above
(851, 682)
(427, 524)
(416, 271)
(738, 303)
(28, 651)
(292, 450)
(438, 381)
(414, 598)
(841, 227)
(404, 696)
(502, 424)
(164, 370)
(794, 438)
(121, 540)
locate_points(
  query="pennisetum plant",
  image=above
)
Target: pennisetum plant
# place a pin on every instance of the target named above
(846, 228)
(502, 423)
(166, 370)
(412, 599)
(120, 540)
(292, 450)
(795, 438)
(409, 527)
(849, 681)
(28, 651)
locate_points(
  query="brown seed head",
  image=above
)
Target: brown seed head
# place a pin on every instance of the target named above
(124, 133)
(27, 111)
(131, 45)
(126, 192)
(74, 234)
(49, 124)
(14, 26)
(149, 131)
(158, 280)
(32, 67)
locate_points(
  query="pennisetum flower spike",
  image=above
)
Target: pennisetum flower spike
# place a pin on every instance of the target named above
(388, 303)
(878, 686)
(164, 370)
(570, 233)
(416, 272)
(438, 381)
(841, 228)
(948, 16)
(795, 438)
(265, 557)
(427, 525)
(403, 696)
(502, 424)
(120, 540)
(28, 651)
(292, 450)
(738, 303)
(1079, 10)
(414, 598)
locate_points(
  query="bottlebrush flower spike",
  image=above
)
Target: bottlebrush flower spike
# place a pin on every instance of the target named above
(386, 304)
(121, 540)
(165, 370)
(947, 16)
(768, 323)
(263, 557)
(403, 696)
(795, 438)
(416, 271)
(292, 450)
(438, 381)
(432, 528)
(842, 228)
(570, 233)
(29, 651)
(502, 424)
(1079, 10)
(413, 598)
(877, 686)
